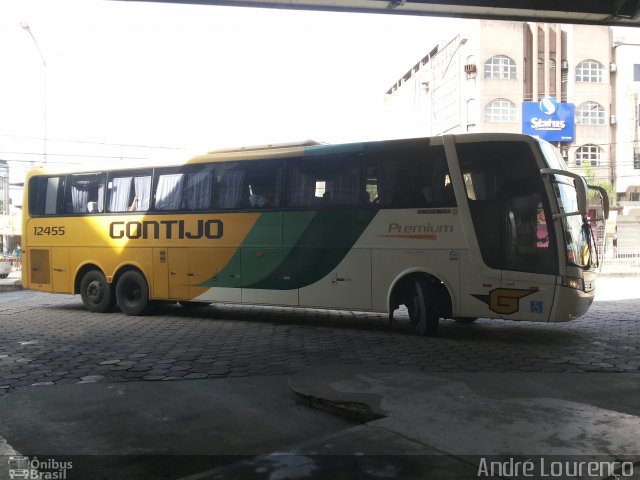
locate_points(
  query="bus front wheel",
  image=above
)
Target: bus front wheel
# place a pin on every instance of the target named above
(96, 292)
(132, 293)
(422, 309)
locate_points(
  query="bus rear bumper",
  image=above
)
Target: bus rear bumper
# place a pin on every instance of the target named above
(571, 304)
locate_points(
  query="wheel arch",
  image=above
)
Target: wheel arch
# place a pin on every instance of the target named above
(82, 271)
(400, 287)
(126, 267)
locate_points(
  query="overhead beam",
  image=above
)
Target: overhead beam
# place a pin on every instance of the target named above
(598, 12)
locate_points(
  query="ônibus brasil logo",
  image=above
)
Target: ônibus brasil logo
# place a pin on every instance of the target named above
(25, 468)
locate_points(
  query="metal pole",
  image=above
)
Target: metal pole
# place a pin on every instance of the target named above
(25, 26)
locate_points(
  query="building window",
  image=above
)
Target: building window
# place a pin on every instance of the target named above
(590, 71)
(472, 111)
(500, 110)
(636, 72)
(588, 155)
(590, 113)
(636, 160)
(500, 67)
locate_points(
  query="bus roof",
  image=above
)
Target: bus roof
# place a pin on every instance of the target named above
(271, 146)
(276, 150)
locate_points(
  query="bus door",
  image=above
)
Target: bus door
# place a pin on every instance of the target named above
(39, 265)
(49, 269)
(514, 275)
(214, 274)
(178, 260)
(60, 275)
(205, 273)
(529, 258)
(267, 278)
(347, 285)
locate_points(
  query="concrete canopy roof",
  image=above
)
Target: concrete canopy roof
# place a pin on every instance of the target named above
(602, 12)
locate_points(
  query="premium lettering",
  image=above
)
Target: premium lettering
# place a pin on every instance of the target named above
(167, 229)
(426, 228)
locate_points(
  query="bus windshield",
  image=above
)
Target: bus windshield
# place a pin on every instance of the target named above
(577, 238)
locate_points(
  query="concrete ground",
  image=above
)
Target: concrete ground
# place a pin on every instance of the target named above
(144, 430)
(244, 392)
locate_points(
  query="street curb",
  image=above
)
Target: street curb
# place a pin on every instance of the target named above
(11, 287)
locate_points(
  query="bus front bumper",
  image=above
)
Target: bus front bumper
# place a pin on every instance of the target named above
(571, 303)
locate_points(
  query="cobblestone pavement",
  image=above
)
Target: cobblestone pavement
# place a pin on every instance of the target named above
(51, 339)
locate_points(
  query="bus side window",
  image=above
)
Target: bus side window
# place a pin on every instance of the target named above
(46, 195)
(128, 193)
(83, 191)
(168, 191)
(198, 191)
(230, 186)
(409, 173)
(331, 180)
(263, 182)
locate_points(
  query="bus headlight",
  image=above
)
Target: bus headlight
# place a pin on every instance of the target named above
(575, 283)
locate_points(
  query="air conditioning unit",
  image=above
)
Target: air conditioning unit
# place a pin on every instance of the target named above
(564, 65)
(470, 68)
(613, 120)
(613, 68)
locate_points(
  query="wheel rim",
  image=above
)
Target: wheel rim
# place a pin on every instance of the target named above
(132, 292)
(414, 309)
(95, 292)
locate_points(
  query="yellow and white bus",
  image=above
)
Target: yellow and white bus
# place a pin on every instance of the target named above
(462, 227)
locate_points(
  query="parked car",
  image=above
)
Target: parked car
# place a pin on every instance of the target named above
(6, 263)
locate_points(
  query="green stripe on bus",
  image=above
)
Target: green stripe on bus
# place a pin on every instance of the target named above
(314, 244)
(321, 247)
(265, 248)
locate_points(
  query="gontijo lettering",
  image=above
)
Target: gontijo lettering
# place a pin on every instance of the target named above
(167, 229)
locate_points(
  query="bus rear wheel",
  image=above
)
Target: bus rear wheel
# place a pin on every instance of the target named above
(422, 308)
(132, 293)
(96, 292)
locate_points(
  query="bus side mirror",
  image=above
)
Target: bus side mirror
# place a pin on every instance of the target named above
(580, 184)
(605, 199)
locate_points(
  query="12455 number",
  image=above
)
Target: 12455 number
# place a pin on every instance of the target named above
(48, 230)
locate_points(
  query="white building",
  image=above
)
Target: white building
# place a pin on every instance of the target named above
(626, 58)
(478, 78)
(10, 214)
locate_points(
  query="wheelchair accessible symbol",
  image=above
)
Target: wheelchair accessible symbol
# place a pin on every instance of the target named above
(537, 306)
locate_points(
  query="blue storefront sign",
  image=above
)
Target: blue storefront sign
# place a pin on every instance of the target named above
(549, 120)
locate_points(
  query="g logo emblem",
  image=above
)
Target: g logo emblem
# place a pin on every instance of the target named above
(503, 300)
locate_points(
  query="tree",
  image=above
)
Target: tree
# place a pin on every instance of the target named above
(593, 196)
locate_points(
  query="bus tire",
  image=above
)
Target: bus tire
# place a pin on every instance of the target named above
(422, 308)
(96, 293)
(132, 293)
